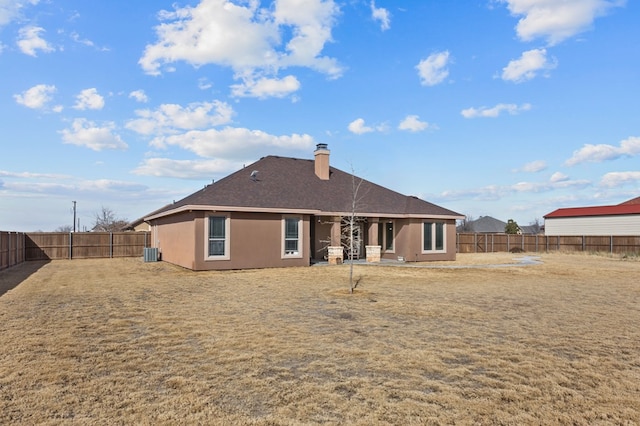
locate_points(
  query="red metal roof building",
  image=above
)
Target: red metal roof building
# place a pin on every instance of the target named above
(620, 219)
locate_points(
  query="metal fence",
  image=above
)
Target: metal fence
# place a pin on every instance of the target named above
(491, 243)
(17, 247)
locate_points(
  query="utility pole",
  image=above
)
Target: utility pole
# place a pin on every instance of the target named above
(74, 216)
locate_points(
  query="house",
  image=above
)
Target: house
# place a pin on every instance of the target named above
(485, 225)
(281, 211)
(620, 219)
(140, 224)
(491, 225)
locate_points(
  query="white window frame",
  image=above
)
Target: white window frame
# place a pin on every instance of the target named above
(227, 236)
(433, 224)
(298, 254)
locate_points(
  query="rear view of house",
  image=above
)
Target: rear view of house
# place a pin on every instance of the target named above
(281, 211)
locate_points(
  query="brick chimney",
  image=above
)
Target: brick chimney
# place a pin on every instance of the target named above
(322, 161)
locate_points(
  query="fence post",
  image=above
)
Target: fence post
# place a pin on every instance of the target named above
(508, 243)
(475, 243)
(110, 245)
(611, 244)
(584, 245)
(70, 245)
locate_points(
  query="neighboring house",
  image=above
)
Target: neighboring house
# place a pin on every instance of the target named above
(137, 226)
(485, 225)
(282, 211)
(491, 225)
(620, 219)
(140, 225)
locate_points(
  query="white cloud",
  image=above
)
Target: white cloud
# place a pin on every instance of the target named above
(36, 97)
(266, 87)
(187, 169)
(556, 20)
(558, 177)
(234, 143)
(89, 99)
(533, 167)
(173, 118)
(598, 153)
(433, 70)
(139, 96)
(252, 40)
(527, 66)
(495, 111)
(86, 133)
(412, 123)
(358, 127)
(382, 15)
(30, 42)
(615, 179)
(10, 9)
(497, 192)
(76, 37)
(204, 83)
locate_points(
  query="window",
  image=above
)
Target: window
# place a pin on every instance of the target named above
(433, 237)
(218, 237)
(292, 229)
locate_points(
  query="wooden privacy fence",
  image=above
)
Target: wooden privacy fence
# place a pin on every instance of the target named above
(17, 247)
(490, 243)
(11, 249)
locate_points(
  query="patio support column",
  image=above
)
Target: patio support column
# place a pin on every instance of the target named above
(335, 252)
(373, 249)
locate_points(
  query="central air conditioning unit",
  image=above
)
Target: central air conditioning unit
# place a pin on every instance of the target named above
(150, 254)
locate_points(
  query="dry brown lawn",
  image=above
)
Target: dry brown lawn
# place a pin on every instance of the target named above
(126, 342)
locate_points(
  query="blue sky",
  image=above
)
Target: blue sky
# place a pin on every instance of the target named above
(507, 108)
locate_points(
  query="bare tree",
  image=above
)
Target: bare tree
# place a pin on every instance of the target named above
(535, 225)
(464, 225)
(353, 237)
(106, 221)
(64, 228)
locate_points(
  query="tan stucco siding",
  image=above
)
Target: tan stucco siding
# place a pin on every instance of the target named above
(174, 237)
(255, 241)
(322, 240)
(409, 244)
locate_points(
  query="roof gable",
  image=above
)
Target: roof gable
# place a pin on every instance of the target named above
(632, 201)
(291, 184)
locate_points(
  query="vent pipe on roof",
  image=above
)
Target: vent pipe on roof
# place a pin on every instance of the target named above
(321, 155)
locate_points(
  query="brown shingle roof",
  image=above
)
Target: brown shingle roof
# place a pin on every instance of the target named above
(290, 183)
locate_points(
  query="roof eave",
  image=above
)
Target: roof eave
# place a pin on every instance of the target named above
(283, 210)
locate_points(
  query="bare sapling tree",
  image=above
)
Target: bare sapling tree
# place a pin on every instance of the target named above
(353, 238)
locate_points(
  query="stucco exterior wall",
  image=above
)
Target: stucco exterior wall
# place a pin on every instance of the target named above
(408, 242)
(174, 238)
(255, 241)
(322, 237)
